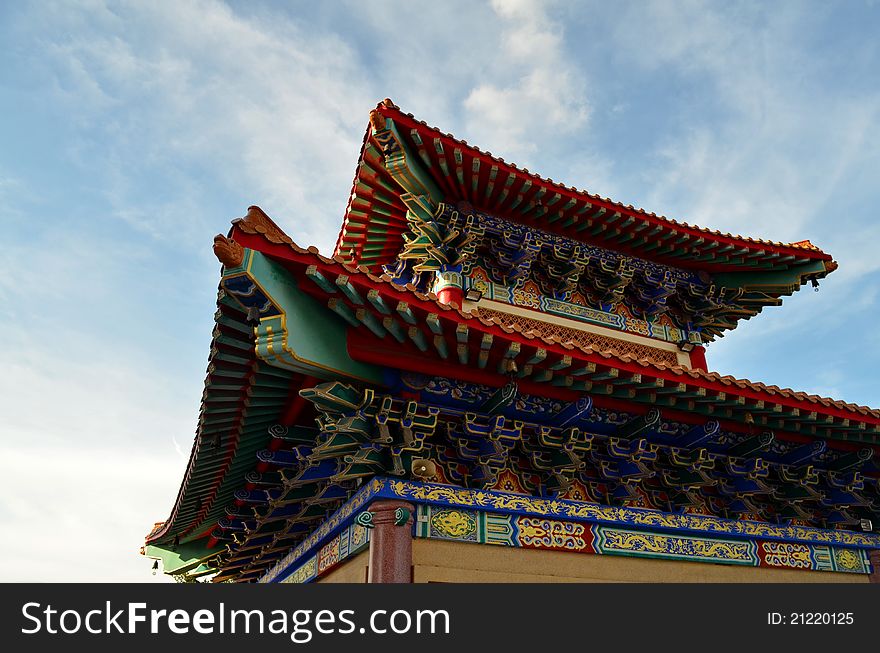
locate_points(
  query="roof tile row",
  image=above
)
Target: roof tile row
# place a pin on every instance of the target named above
(389, 109)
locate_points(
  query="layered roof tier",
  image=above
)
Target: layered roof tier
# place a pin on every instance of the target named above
(409, 172)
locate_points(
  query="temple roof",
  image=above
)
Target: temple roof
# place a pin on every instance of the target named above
(375, 218)
(357, 346)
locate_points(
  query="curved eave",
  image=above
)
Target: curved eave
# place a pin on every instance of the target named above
(242, 398)
(466, 173)
(375, 217)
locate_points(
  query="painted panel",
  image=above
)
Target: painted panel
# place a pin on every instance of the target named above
(349, 542)
(676, 547)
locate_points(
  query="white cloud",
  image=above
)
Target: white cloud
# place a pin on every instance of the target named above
(540, 93)
(80, 516)
(271, 109)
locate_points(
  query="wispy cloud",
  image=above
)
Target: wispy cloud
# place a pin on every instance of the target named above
(272, 110)
(774, 163)
(267, 108)
(538, 94)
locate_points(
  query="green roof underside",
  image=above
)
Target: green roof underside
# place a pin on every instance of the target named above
(243, 397)
(248, 385)
(183, 559)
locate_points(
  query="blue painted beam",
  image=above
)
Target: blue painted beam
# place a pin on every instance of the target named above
(574, 412)
(639, 424)
(751, 445)
(804, 454)
(699, 435)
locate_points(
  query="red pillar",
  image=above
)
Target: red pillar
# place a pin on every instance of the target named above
(390, 543)
(874, 557)
(451, 295)
(698, 358)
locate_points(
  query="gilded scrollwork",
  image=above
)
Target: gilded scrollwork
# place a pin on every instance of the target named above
(455, 496)
(678, 546)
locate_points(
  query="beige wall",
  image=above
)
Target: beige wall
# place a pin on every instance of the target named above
(456, 562)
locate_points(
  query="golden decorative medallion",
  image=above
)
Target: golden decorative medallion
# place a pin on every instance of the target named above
(453, 523)
(848, 559)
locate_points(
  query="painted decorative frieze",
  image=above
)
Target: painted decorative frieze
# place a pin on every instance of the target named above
(522, 521)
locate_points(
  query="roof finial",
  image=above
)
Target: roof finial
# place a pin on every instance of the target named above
(229, 252)
(377, 120)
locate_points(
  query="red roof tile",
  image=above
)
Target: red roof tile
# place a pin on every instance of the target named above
(390, 110)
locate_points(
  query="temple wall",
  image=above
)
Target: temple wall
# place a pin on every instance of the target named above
(437, 561)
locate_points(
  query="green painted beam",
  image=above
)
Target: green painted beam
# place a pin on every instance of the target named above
(297, 339)
(371, 321)
(433, 322)
(406, 313)
(343, 281)
(415, 334)
(462, 352)
(441, 347)
(378, 303)
(320, 280)
(539, 355)
(393, 327)
(342, 309)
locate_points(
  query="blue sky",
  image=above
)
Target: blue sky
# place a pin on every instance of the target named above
(133, 132)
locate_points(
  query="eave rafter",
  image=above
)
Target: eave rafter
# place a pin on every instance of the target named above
(436, 329)
(466, 173)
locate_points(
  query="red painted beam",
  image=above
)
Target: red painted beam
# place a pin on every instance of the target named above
(365, 347)
(296, 404)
